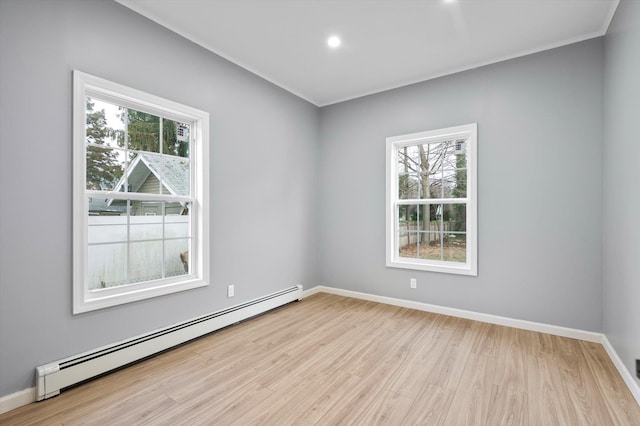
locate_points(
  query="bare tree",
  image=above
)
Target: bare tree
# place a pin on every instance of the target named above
(429, 171)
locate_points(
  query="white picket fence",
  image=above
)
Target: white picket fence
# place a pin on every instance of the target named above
(108, 251)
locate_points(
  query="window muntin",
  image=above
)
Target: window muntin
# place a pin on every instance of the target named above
(140, 195)
(431, 200)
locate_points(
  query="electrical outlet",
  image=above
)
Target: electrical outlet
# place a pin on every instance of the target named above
(231, 290)
(638, 368)
(413, 283)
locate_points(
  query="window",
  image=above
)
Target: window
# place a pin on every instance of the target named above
(140, 195)
(432, 199)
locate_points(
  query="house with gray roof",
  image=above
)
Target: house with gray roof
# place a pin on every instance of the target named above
(148, 173)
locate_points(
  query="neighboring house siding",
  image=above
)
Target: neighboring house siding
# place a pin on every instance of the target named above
(150, 185)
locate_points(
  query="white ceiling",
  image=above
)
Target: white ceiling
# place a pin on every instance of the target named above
(385, 43)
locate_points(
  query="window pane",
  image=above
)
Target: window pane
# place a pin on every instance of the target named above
(420, 184)
(177, 209)
(455, 183)
(104, 226)
(408, 186)
(460, 153)
(145, 261)
(435, 217)
(143, 131)
(432, 156)
(175, 175)
(430, 246)
(105, 168)
(104, 124)
(175, 138)
(408, 244)
(436, 159)
(449, 156)
(455, 247)
(176, 257)
(145, 222)
(177, 221)
(152, 173)
(144, 173)
(106, 265)
(455, 238)
(413, 216)
(434, 183)
(408, 172)
(439, 169)
(421, 215)
(408, 159)
(456, 218)
(403, 213)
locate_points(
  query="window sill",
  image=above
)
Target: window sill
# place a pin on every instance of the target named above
(448, 268)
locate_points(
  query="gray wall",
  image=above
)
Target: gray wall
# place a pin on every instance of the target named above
(298, 192)
(540, 187)
(263, 158)
(621, 243)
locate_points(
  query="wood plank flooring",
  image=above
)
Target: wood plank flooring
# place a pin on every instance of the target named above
(335, 360)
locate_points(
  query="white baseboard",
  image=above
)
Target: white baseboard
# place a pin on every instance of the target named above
(17, 399)
(626, 375)
(314, 290)
(572, 333)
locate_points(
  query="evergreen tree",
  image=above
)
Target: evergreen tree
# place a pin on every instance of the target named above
(103, 169)
(144, 134)
(460, 191)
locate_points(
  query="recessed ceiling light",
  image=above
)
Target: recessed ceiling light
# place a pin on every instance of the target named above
(334, 41)
(450, 1)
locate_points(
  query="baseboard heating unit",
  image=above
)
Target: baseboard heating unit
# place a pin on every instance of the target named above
(53, 377)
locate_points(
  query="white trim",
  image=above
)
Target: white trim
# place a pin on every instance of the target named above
(17, 400)
(428, 201)
(632, 384)
(555, 330)
(314, 290)
(138, 196)
(609, 18)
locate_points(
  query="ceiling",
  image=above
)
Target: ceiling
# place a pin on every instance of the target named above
(385, 43)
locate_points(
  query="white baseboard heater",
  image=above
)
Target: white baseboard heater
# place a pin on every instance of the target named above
(52, 377)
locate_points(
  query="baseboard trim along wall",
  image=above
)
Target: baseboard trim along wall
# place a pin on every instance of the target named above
(17, 399)
(27, 396)
(555, 330)
(626, 375)
(572, 333)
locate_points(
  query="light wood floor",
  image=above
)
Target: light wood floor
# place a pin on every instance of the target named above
(335, 360)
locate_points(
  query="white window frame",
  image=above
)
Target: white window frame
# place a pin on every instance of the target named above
(84, 300)
(393, 260)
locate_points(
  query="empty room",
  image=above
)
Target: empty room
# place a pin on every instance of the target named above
(319, 212)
